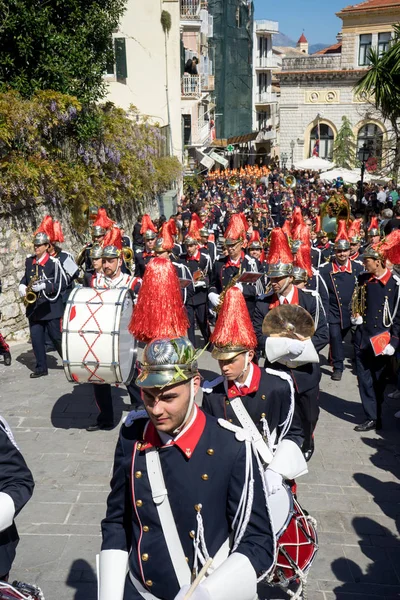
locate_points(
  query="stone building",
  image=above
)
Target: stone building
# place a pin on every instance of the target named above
(317, 90)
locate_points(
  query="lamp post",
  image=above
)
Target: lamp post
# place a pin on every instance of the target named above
(284, 158)
(292, 145)
(363, 155)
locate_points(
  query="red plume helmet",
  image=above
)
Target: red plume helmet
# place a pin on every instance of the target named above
(317, 224)
(302, 233)
(255, 236)
(244, 221)
(47, 227)
(373, 224)
(113, 237)
(303, 259)
(147, 224)
(197, 220)
(279, 251)
(172, 226)
(234, 328)
(354, 229)
(342, 231)
(159, 311)
(194, 231)
(166, 237)
(235, 230)
(102, 220)
(390, 247)
(287, 229)
(58, 234)
(297, 220)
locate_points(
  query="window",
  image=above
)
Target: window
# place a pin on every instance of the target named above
(187, 129)
(326, 137)
(372, 136)
(383, 42)
(118, 67)
(365, 47)
(262, 118)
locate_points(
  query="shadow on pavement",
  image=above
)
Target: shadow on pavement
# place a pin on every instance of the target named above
(82, 578)
(27, 359)
(77, 409)
(343, 409)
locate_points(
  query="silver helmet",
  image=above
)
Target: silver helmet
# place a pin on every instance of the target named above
(300, 275)
(150, 235)
(97, 230)
(96, 251)
(342, 245)
(280, 270)
(111, 252)
(41, 238)
(166, 362)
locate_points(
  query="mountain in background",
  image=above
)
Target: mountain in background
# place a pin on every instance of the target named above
(280, 39)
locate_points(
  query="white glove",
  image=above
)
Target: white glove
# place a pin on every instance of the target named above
(199, 284)
(22, 290)
(7, 511)
(388, 350)
(239, 286)
(213, 298)
(199, 593)
(274, 481)
(38, 286)
(356, 320)
(295, 348)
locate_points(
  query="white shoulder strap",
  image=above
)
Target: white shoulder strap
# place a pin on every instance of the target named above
(247, 423)
(160, 498)
(4, 426)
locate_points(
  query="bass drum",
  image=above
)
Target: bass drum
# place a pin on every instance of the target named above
(20, 591)
(97, 346)
(296, 538)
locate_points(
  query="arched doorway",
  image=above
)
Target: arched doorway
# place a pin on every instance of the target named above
(326, 136)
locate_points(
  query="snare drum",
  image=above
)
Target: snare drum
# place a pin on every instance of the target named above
(296, 538)
(97, 346)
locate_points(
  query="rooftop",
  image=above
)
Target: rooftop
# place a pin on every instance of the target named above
(370, 5)
(302, 39)
(334, 49)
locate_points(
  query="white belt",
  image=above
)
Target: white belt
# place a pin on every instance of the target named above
(168, 525)
(247, 423)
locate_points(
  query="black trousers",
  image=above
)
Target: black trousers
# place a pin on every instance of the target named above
(371, 372)
(307, 407)
(336, 350)
(103, 397)
(38, 335)
(200, 314)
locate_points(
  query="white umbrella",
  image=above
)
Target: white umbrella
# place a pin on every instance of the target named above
(314, 163)
(347, 175)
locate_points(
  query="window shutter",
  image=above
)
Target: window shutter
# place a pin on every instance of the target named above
(120, 58)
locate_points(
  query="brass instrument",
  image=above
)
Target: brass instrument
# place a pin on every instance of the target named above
(128, 256)
(30, 296)
(234, 183)
(230, 285)
(289, 321)
(358, 300)
(290, 182)
(81, 256)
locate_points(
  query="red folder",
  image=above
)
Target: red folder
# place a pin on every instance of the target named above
(379, 342)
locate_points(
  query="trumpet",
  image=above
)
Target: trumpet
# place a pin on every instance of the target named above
(30, 296)
(358, 300)
(128, 254)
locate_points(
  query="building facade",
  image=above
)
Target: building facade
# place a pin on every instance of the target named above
(147, 69)
(318, 90)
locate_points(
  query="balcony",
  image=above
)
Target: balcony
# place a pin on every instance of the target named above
(190, 9)
(267, 26)
(266, 98)
(265, 135)
(191, 86)
(268, 62)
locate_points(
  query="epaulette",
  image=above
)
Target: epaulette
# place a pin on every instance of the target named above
(308, 291)
(324, 264)
(358, 262)
(242, 435)
(208, 386)
(135, 415)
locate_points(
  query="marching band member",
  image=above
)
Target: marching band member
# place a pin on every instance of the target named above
(199, 264)
(205, 244)
(324, 246)
(233, 265)
(111, 277)
(142, 257)
(340, 276)
(16, 488)
(309, 279)
(186, 487)
(375, 311)
(45, 281)
(96, 257)
(355, 240)
(66, 259)
(373, 233)
(249, 396)
(306, 377)
(100, 226)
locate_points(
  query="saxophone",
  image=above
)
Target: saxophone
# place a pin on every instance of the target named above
(30, 296)
(358, 300)
(230, 285)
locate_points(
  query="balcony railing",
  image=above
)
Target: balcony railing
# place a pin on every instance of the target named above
(191, 86)
(190, 9)
(266, 25)
(207, 83)
(268, 62)
(266, 98)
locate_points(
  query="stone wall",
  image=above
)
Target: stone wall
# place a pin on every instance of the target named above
(16, 230)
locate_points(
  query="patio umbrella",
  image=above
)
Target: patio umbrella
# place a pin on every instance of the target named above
(348, 176)
(314, 163)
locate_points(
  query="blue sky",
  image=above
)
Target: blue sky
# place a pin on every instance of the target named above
(316, 17)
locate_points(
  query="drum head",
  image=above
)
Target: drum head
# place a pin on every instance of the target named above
(281, 510)
(127, 343)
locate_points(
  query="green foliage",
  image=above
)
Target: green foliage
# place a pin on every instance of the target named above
(192, 184)
(344, 149)
(48, 153)
(63, 45)
(166, 21)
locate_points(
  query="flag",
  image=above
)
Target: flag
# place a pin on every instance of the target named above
(316, 148)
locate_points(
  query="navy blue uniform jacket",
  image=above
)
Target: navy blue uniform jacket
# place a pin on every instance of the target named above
(307, 376)
(340, 287)
(224, 271)
(51, 272)
(205, 466)
(15, 480)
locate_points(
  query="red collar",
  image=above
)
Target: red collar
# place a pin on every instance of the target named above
(229, 263)
(234, 391)
(354, 256)
(42, 261)
(336, 268)
(195, 256)
(383, 280)
(325, 247)
(186, 442)
(294, 300)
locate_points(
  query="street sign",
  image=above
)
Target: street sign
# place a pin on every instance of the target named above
(230, 148)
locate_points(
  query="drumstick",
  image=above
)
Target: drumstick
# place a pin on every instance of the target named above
(198, 579)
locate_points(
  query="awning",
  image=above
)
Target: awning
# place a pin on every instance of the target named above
(243, 139)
